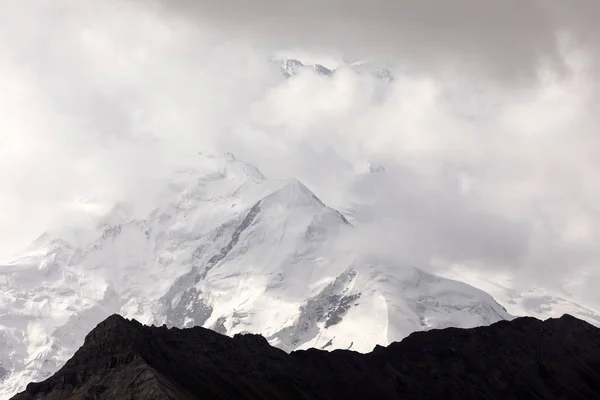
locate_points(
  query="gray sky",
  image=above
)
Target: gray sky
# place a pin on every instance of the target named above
(98, 97)
(508, 39)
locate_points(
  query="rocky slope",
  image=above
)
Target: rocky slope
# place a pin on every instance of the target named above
(520, 359)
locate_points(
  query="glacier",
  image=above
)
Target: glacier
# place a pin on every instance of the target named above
(227, 249)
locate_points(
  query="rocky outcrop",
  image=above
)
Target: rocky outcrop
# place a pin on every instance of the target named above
(520, 359)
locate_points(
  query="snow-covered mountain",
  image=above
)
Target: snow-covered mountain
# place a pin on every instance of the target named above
(373, 196)
(292, 67)
(533, 301)
(224, 248)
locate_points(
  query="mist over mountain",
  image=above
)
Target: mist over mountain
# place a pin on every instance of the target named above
(227, 249)
(398, 167)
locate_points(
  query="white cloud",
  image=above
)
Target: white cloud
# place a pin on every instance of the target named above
(98, 98)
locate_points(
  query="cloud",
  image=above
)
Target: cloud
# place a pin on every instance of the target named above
(506, 39)
(98, 100)
(94, 100)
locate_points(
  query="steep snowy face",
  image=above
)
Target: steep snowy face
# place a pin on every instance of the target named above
(63, 286)
(223, 248)
(291, 67)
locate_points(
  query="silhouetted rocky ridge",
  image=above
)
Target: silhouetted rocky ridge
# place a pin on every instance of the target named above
(520, 359)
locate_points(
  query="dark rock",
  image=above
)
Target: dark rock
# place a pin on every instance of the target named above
(521, 359)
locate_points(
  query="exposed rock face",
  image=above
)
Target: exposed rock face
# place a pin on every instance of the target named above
(520, 359)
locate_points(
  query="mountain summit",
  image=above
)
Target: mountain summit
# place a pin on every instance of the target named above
(224, 248)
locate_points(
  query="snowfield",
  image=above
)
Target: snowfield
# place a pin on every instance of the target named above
(227, 249)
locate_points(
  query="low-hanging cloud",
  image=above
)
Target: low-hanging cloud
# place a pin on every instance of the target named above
(98, 99)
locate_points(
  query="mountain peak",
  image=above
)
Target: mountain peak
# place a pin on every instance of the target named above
(207, 163)
(291, 67)
(294, 193)
(114, 332)
(224, 248)
(499, 361)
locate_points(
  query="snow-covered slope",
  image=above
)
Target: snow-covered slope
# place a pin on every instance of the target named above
(223, 248)
(292, 67)
(524, 301)
(374, 196)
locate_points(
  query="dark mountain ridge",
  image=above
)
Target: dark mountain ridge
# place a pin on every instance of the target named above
(520, 359)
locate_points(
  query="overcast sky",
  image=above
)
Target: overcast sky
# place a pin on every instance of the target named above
(489, 131)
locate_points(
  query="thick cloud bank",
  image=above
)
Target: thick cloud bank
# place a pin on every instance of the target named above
(488, 131)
